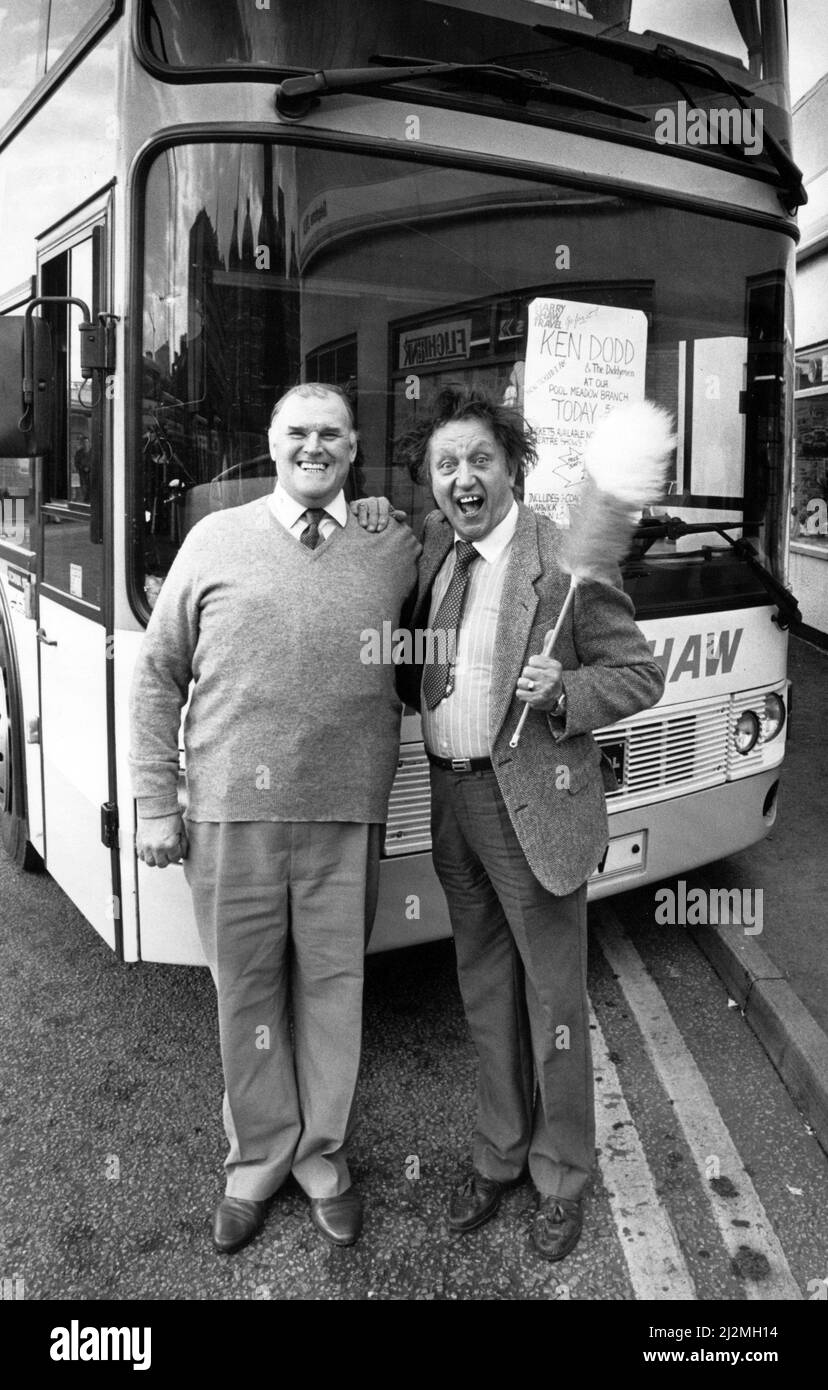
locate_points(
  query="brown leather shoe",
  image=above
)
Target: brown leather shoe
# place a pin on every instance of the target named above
(236, 1222)
(474, 1201)
(338, 1218)
(556, 1228)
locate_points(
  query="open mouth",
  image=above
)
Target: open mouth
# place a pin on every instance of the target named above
(313, 467)
(470, 503)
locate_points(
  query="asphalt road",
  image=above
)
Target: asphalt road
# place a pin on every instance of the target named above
(790, 866)
(710, 1185)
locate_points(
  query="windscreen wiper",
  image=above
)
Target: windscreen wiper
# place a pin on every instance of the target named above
(664, 61)
(660, 60)
(656, 528)
(296, 96)
(671, 527)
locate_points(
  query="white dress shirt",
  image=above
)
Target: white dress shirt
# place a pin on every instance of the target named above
(459, 726)
(292, 513)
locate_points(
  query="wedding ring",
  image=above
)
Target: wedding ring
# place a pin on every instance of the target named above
(530, 685)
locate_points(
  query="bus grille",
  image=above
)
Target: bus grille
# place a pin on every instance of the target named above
(659, 753)
(409, 811)
(669, 751)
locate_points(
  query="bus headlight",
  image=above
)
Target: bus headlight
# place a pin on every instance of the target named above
(773, 717)
(746, 732)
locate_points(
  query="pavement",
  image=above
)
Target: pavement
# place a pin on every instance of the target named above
(111, 1144)
(780, 979)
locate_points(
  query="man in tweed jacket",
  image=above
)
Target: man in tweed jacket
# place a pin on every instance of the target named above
(516, 833)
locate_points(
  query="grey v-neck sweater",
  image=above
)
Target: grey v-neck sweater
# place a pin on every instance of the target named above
(286, 721)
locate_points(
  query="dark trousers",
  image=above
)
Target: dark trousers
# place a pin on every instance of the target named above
(521, 963)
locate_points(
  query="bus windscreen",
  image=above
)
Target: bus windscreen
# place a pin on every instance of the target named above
(590, 47)
(266, 264)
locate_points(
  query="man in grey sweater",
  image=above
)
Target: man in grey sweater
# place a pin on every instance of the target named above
(291, 744)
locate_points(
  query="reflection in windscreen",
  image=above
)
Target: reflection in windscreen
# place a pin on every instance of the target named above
(729, 28)
(748, 39)
(266, 265)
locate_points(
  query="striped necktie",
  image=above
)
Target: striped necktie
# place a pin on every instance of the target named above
(438, 677)
(311, 535)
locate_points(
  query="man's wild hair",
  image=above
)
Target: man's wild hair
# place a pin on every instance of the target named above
(508, 426)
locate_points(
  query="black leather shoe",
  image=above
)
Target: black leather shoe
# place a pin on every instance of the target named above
(236, 1222)
(556, 1228)
(474, 1201)
(338, 1218)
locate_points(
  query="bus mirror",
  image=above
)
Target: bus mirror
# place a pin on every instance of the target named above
(36, 436)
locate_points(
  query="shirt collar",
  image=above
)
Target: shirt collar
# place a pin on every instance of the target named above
(287, 510)
(492, 546)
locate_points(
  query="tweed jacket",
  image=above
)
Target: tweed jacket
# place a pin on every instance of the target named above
(551, 783)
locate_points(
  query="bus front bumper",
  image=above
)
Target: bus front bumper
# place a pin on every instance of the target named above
(655, 842)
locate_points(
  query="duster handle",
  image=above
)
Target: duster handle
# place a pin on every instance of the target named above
(548, 643)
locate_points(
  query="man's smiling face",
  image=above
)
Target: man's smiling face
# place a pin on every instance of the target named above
(313, 446)
(470, 477)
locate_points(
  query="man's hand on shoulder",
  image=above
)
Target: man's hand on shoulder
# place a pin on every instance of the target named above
(161, 840)
(374, 513)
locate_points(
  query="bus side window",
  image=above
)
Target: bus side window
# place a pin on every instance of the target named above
(17, 501)
(72, 561)
(67, 474)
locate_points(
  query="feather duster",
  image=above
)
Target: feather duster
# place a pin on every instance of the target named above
(626, 467)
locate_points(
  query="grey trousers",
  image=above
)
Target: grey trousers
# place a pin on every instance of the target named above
(521, 963)
(284, 910)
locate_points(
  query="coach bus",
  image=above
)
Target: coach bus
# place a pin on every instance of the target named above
(235, 195)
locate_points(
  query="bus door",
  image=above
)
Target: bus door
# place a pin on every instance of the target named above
(74, 598)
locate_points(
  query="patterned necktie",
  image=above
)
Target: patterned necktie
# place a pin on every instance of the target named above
(311, 535)
(438, 677)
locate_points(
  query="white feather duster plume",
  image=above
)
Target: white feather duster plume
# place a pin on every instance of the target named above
(628, 453)
(626, 468)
